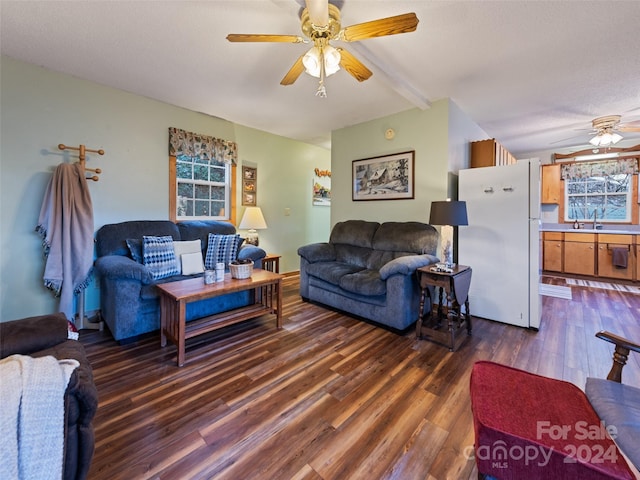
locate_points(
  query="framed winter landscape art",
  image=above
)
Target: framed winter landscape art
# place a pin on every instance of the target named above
(389, 177)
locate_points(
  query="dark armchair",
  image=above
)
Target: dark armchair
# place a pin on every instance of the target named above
(48, 335)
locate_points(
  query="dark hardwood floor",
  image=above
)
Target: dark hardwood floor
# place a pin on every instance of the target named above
(328, 396)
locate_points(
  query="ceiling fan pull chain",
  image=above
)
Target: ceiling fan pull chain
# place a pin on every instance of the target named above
(322, 91)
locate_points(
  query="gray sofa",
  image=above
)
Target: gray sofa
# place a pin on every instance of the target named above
(368, 269)
(128, 297)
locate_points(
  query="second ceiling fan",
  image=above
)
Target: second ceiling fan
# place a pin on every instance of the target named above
(321, 25)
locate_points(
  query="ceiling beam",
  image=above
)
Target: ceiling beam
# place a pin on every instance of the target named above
(399, 84)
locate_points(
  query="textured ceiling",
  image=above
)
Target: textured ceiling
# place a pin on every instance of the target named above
(530, 73)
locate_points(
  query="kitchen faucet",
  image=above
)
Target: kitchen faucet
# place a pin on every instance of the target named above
(595, 218)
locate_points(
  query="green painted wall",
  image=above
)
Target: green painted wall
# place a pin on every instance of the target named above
(439, 136)
(428, 132)
(284, 193)
(41, 109)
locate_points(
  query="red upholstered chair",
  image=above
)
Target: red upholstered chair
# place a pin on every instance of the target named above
(532, 427)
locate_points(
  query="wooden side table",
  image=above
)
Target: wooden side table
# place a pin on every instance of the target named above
(453, 288)
(271, 262)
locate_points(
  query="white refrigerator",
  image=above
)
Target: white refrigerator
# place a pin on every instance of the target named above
(501, 243)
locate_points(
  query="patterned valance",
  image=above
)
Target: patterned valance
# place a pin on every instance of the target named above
(208, 148)
(571, 171)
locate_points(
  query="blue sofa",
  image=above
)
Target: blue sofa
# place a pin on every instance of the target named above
(128, 297)
(368, 269)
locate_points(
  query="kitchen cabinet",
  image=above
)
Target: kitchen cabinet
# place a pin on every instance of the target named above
(489, 153)
(551, 184)
(590, 254)
(552, 251)
(606, 243)
(579, 253)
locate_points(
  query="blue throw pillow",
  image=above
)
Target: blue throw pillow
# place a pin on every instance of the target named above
(135, 249)
(221, 248)
(159, 256)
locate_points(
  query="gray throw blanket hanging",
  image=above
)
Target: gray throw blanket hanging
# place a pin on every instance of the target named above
(66, 226)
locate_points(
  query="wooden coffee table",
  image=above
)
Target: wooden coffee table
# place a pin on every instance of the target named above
(174, 297)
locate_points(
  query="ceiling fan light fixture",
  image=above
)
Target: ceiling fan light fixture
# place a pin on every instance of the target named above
(605, 138)
(313, 58)
(331, 60)
(311, 62)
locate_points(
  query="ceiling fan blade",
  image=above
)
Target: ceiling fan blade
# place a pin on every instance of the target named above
(318, 12)
(242, 37)
(628, 128)
(294, 72)
(355, 67)
(570, 138)
(405, 23)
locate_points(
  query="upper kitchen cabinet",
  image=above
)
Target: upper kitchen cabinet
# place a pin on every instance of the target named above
(551, 184)
(489, 153)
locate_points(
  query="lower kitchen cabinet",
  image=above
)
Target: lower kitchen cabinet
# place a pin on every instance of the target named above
(580, 253)
(607, 243)
(591, 254)
(552, 247)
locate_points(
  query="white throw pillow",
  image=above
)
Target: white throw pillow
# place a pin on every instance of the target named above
(192, 263)
(189, 246)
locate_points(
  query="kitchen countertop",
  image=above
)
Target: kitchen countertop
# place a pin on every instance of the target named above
(588, 228)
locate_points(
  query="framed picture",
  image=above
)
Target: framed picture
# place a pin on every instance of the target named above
(389, 177)
(249, 173)
(249, 186)
(322, 187)
(249, 199)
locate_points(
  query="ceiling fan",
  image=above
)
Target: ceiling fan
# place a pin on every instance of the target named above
(321, 25)
(606, 130)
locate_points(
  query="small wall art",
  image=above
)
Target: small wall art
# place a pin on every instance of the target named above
(249, 186)
(322, 187)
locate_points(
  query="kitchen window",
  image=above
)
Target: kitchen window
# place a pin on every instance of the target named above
(604, 198)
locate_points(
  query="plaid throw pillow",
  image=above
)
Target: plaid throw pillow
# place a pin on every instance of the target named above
(221, 248)
(159, 257)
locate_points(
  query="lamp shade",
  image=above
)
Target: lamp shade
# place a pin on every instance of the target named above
(452, 213)
(252, 219)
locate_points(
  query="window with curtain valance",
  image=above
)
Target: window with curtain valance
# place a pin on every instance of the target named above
(201, 173)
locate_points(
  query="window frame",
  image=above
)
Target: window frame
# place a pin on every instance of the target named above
(173, 195)
(629, 195)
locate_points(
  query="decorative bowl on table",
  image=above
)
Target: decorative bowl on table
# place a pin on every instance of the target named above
(241, 269)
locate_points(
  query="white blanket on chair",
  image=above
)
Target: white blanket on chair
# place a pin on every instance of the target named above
(32, 416)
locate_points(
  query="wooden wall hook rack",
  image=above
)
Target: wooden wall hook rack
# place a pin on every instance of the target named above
(82, 150)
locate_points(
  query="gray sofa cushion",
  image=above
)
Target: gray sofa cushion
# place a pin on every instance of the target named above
(406, 264)
(358, 233)
(365, 282)
(331, 272)
(318, 252)
(618, 405)
(412, 237)
(352, 254)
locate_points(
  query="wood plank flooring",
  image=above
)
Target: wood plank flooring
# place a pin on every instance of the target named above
(328, 396)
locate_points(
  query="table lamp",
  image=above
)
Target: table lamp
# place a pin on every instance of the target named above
(252, 220)
(448, 214)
